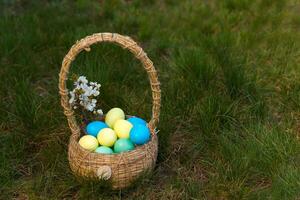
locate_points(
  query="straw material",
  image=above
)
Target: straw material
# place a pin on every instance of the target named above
(119, 169)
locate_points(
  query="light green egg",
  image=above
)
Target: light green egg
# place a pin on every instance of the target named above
(104, 150)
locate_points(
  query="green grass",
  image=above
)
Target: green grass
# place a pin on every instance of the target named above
(230, 115)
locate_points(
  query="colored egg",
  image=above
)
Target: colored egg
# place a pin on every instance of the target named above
(139, 134)
(122, 128)
(88, 142)
(123, 145)
(136, 120)
(104, 150)
(107, 137)
(94, 127)
(113, 115)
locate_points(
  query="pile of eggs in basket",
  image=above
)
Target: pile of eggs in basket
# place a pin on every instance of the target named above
(116, 135)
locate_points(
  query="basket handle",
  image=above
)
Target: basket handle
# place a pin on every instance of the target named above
(126, 43)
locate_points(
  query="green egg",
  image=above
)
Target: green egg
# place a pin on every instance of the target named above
(123, 145)
(104, 150)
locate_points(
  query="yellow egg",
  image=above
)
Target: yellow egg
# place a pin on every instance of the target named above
(113, 115)
(122, 128)
(88, 142)
(107, 137)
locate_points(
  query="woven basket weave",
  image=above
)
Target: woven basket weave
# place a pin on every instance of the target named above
(120, 170)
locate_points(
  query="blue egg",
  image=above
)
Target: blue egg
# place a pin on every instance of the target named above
(136, 120)
(94, 127)
(139, 134)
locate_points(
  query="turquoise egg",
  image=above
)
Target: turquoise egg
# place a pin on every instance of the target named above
(104, 150)
(94, 127)
(136, 120)
(139, 134)
(123, 145)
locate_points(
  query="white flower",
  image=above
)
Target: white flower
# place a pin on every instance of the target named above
(83, 98)
(100, 112)
(81, 103)
(96, 93)
(89, 107)
(72, 94)
(83, 94)
(87, 92)
(82, 79)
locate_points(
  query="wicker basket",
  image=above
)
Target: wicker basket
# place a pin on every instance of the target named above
(120, 170)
